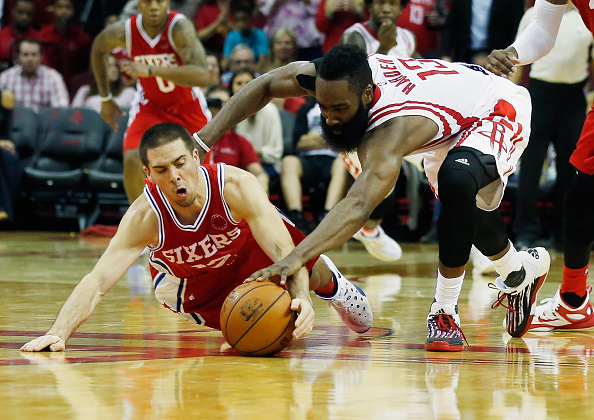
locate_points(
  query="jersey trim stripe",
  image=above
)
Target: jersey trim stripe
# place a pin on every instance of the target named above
(198, 320)
(175, 19)
(155, 207)
(221, 180)
(202, 214)
(447, 129)
(151, 41)
(180, 295)
(158, 279)
(155, 261)
(128, 29)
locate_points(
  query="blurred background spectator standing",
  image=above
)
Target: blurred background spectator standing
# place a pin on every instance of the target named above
(244, 33)
(19, 28)
(425, 19)
(335, 16)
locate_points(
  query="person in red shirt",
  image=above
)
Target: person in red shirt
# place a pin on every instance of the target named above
(66, 45)
(19, 29)
(425, 19)
(170, 64)
(212, 24)
(335, 16)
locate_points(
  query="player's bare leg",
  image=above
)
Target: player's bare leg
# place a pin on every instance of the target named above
(133, 175)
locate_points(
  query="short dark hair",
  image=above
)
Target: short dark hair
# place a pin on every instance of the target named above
(349, 62)
(29, 41)
(161, 134)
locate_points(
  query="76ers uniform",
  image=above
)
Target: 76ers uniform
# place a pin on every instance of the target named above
(583, 156)
(160, 100)
(194, 267)
(478, 110)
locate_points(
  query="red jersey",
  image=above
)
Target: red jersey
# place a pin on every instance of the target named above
(159, 52)
(208, 258)
(413, 19)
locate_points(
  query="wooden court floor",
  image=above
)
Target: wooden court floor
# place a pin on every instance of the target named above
(133, 359)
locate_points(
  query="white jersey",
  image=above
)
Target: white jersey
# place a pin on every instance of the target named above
(470, 107)
(405, 40)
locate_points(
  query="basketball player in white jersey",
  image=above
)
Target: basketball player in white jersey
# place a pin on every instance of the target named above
(471, 128)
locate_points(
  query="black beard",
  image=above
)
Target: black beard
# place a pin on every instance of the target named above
(351, 132)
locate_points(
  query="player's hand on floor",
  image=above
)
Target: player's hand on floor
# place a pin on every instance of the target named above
(305, 320)
(283, 268)
(51, 342)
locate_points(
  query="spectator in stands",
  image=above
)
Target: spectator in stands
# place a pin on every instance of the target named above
(245, 34)
(475, 27)
(283, 50)
(425, 19)
(10, 167)
(88, 95)
(232, 148)
(66, 46)
(380, 34)
(33, 84)
(335, 16)
(263, 129)
(556, 87)
(212, 24)
(300, 17)
(314, 165)
(188, 8)
(20, 28)
(214, 68)
(242, 57)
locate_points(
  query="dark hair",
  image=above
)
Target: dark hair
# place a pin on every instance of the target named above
(238, 72)
(403, 3)
(348, 62)
(242, 8)
(29, 41)
(161, 134)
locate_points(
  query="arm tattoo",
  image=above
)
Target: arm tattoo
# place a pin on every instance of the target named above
(189, 47)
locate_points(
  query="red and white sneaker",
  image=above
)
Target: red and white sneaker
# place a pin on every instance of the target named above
(555, 314)
(443, 329)
(521, 300)
(379, 244)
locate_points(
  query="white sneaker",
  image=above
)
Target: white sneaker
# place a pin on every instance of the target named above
(481, 264)
(380, 246)
(554, 313)
(349, 301)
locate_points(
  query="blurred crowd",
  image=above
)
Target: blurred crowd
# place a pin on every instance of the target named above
(45, 63)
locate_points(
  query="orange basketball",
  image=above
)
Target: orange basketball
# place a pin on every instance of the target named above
(257, 320)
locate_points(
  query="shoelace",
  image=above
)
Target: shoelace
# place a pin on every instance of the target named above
(446, 322)
(499, 302)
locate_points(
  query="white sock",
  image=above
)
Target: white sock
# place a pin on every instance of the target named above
(447, 291)
(509, 263)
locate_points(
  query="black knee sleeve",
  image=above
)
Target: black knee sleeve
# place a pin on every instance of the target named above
(578, 221)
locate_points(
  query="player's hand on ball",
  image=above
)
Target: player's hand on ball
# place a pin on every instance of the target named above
(305, 320)
(51, 342)
(283, 268)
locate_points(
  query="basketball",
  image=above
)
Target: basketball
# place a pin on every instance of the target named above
(257, 320)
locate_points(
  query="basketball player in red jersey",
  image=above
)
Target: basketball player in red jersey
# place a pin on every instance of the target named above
(208, 228)
(387, 108)
(570, 307)
(170, 64)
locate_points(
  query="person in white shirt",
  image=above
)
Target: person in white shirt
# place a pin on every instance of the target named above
(558, 113)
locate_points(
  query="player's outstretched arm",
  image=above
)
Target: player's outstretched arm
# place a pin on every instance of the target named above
(381, 154)
(134, 233)
(278, 83)
(536, 41)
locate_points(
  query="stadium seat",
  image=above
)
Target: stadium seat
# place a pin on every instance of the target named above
(106, 180)
(55, 182)
(25, 132)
